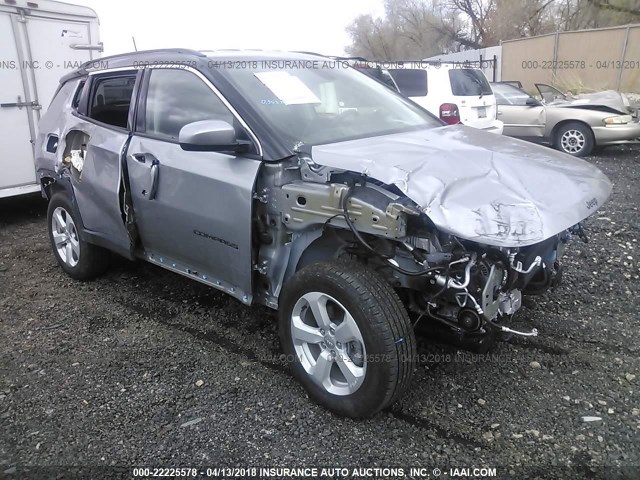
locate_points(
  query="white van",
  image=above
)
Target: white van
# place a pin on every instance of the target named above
(40, 41)
(456, 93)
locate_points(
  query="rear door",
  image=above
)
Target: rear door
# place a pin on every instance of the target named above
(473, 96)
(193, 210)
(101, 135)
(38, 45)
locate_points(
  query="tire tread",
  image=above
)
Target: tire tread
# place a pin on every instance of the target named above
(385, 312)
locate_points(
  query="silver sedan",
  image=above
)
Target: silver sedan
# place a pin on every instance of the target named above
(571, 127)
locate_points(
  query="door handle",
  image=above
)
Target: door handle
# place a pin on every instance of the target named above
(155, 167)
(154, 171)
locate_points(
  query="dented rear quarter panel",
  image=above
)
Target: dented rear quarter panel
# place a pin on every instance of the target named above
(54, 122)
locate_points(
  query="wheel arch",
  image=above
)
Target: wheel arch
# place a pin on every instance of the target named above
(321, 249)
(53, 184)
(50, 186)
(562, 123)
(306, 248)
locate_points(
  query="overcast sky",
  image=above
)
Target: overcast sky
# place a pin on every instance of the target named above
(316, 26)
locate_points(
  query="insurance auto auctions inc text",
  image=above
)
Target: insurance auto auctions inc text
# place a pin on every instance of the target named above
(372, 472)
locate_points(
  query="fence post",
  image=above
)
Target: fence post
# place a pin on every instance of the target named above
(554, 74)
(624, 52)
(495, 68)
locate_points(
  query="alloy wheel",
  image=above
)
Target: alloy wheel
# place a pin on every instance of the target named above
(65, 237)
(573, 141)
(328, 343)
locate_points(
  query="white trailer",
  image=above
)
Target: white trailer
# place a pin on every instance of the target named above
(40, 41)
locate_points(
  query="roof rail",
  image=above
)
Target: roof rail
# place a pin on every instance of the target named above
(86, 66)
(360, 59)
(311, 53)
(143, 52)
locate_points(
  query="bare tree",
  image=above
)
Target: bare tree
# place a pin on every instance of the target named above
(414, 29)
(407, 32)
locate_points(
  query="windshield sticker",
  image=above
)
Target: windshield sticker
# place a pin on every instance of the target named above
(291, 90)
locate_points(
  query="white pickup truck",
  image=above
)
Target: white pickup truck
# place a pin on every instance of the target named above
(40, 41)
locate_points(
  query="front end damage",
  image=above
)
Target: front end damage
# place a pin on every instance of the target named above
(461, 253)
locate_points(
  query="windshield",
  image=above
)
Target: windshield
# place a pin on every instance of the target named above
(469, 82)
(326, 105)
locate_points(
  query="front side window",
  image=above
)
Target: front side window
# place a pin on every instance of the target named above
(469, 82)
(317, 106)
(176, 98)
(508, 95)
(111, 99)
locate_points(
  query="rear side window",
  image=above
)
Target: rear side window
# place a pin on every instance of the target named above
(110, 100)
(176, 98)
(78, 94)
(412, 82)
(469, 82)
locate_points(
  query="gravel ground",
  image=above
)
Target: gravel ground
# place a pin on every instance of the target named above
(144, 367)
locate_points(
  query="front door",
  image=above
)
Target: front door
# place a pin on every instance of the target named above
(522, 121)
(523, 115)
(193, 210)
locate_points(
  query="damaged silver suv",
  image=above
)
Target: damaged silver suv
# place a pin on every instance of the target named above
(296, 182)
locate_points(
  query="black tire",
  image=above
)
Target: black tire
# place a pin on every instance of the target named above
(385, 328)
(90, 260)
(578, 132)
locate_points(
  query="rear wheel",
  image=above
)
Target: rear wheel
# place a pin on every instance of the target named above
(575, 139)
(347, 337)
(81, 260)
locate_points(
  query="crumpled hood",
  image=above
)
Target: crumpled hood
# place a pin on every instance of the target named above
(479, 186)
(607, 98)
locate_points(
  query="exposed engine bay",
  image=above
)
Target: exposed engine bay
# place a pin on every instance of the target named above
(307, 214)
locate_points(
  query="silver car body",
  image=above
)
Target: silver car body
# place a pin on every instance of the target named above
(540, 121)
(174, 233)
(244, 223)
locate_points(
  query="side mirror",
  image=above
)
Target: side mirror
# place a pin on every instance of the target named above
(210, 136)
(532, 102)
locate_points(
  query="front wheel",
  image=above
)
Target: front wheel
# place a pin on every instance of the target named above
(347, 337)
(575, 139)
